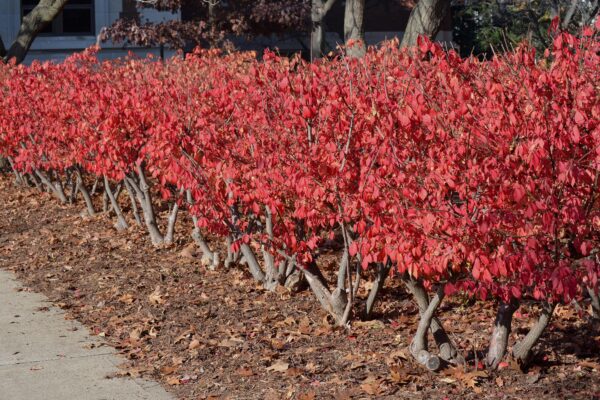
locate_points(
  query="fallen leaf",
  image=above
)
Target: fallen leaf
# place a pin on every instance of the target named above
(230, 342)
(189, 252)
(244, 372)
(173, 381)
(373, 324)
(126, 298)
(401, 374)
(294, 372)
(156, 298)
(277, 344)
(307, 396)
(372, 386)
(279, 366)
(135, 334)
(447, 380)
(168, 370)
(311, 367)
(471, 379)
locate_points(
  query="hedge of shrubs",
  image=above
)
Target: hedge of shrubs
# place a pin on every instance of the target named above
(451, 174)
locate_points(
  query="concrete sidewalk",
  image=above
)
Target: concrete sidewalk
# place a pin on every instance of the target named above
(45, 357)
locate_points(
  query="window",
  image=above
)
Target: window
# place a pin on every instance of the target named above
(76, 18)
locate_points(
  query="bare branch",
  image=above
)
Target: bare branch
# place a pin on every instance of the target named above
(32, 24)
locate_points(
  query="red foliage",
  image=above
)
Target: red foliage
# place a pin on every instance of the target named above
(481, 174)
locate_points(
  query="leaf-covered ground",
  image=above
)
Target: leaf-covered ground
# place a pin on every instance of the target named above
(216, 334)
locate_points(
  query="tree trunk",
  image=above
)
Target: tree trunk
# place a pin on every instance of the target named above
(447, 349)
(568, 15)
(18, 176)
(319, 10)
(84, 193)
(499, 338)
(354, 35)
(121, 222)
(317, 37)
(57, 190)
(418, 346)
(170, 234)
(142, 191)
(595, 303)
(252, 262)
(32, 24)
(94, 187)
(148, 208)
(134, 208)
(333, 302)
(522, 351)
(72, 182)
(232, 257)
(209, 258)
(272, 272)
(105, 202)
(383, 271)
(56, 182)
(425, 19)
(35, 181)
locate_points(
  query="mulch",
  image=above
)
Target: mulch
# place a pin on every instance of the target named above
(218, 335)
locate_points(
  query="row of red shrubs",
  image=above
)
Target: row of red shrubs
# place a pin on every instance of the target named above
(450, 173)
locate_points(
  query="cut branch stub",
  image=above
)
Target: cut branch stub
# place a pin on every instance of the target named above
(418, 346)
(447, 349)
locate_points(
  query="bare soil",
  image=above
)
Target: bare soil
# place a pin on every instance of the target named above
(217, 335)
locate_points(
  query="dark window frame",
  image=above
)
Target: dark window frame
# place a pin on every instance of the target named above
(57, 25)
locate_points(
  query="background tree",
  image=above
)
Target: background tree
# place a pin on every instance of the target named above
(354, 34)
(210, 22)
(213, 21)
(319, 9)
(484, 25)
(425, 19)
(31, 25)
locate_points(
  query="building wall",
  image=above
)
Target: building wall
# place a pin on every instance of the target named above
(57, 48)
